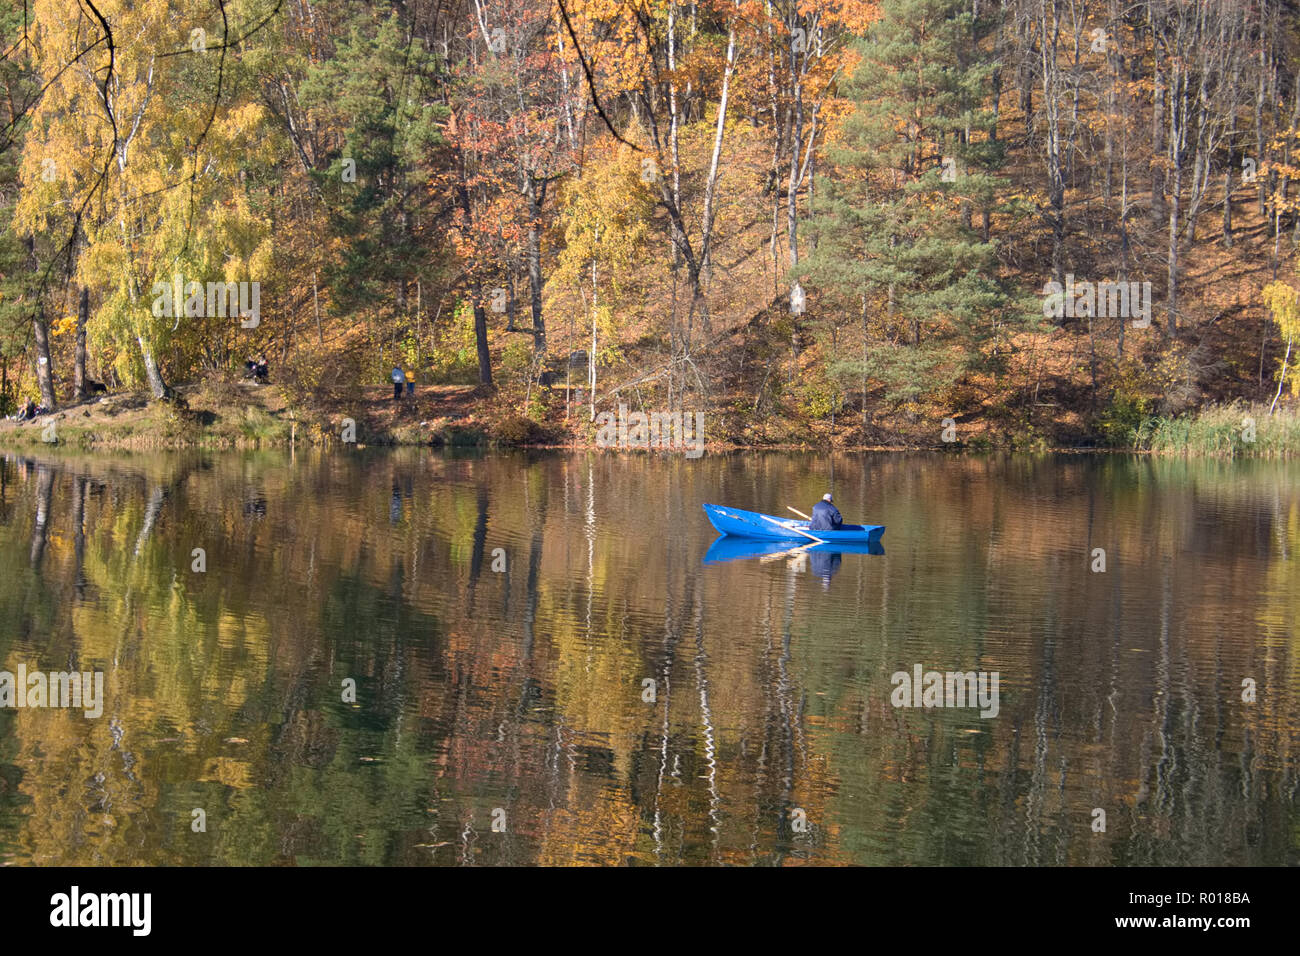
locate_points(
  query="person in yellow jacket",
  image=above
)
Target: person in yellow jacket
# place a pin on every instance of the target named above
(410, 383)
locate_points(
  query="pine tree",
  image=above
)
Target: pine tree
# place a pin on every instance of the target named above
(378, 96)
(893, 224)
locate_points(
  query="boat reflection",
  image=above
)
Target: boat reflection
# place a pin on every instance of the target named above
(823, 559)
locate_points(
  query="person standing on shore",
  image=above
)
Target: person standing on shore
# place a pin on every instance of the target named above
(410, 383)
(399, 380)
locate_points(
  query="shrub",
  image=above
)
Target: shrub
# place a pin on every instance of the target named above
(1118, 424)
(817, 399)
(517, 430)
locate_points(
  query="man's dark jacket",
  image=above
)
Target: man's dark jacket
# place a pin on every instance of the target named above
(825, 517)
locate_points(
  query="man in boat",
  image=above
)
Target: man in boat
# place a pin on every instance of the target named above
(825, 516)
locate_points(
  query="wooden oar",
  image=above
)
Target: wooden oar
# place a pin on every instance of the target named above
(798, 512)
(790, 527)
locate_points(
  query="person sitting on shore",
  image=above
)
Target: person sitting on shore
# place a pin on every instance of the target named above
(825, 516)
(256, 369)
(27, 412)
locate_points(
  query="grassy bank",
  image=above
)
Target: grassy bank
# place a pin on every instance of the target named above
(1223, 431)
(223, 415)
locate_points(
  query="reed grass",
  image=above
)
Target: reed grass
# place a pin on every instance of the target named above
(1223, 431)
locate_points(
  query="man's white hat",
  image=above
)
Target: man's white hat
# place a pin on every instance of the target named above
(826, 497)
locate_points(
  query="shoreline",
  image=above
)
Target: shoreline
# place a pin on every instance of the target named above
(111, 444)
(232, 418)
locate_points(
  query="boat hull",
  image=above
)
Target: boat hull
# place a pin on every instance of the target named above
(754, 524)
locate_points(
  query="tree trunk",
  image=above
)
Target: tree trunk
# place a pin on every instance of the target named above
(1261, 93)
(535, 198)
(44, 369)
(79, 355)
(480, 314)
(1050, 37)
(1227, 206)
(41, 335)
(711, 183)
(1286, 360)
(315, 304)
(1175, 209)
(480, 340)
(157, 387)
(1158, 145)
(865, 355)
(792, 191)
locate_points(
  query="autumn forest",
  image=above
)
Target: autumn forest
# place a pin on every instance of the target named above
(824, 222)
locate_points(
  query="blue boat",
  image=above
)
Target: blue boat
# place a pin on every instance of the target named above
(754, 524)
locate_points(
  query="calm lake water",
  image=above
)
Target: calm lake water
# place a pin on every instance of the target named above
(502, 618)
